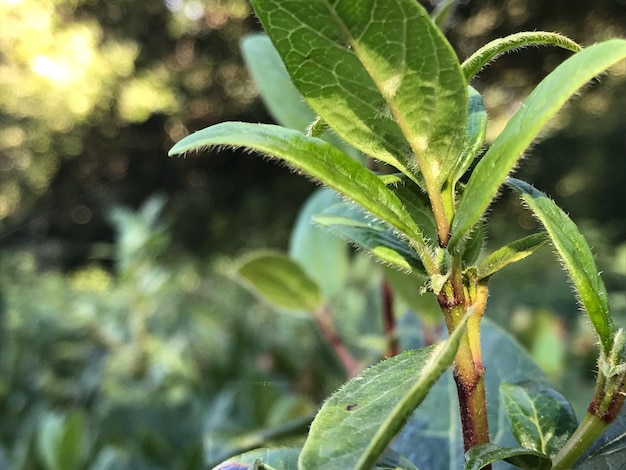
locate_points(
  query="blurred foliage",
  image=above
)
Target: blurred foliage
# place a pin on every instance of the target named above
(116, 341)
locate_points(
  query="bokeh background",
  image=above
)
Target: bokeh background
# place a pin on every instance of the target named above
(122, 342)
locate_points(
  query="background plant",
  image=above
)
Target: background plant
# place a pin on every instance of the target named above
(363, 71)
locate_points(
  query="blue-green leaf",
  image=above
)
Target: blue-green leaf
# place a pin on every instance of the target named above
(323, 255)
(475, 131)
(375, 237)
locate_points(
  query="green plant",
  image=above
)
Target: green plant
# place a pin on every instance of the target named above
(381, 76)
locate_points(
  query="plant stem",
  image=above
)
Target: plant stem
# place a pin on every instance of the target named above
(389, 320)
(469, 371)
(325, 324)
(587, 432)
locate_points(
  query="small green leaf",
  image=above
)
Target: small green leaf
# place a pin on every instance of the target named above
(500, 46)
(576, 256)
(511, 253)
(283, 100)
(357, 423)
(63, 441)
(318, 159)
(322, 255)
(546, 99)
(474, 245)
(541, 418)
(358, 227)
(381, 74)
(475, 131)
(484, 454)
(280, 281)
(278, 459)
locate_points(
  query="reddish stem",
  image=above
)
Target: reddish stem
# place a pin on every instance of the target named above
(389, 319)
(325, 324)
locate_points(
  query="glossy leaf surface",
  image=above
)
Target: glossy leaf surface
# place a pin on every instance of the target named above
(475, 130)
(484, 454)
(379, 73)
(543, 103)
(576, 256)
(541, 418)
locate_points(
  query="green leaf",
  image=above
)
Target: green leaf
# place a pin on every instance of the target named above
(511, 253)
(475, 131)
(541, 418)
(576, 256)
(377, 238)
(474, 245)
(63, 441)
(432, 438)
(500, 46)
(380, 73)
(546, 99)
(356, 424)
(415, 200)
(484, 454)
(277, 459)
(318, 159)
(322, 255)
(280, 281)
(283, 100)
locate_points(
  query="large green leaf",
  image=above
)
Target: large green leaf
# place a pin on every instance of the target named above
(316, 158)
(357, 423)
(323, 255)
(576, 256)
(484, 454)
(541, 418)
(432, 438)
(375, 237)
(525, 125)
(280, 281)
(63, 441)
(380, 73)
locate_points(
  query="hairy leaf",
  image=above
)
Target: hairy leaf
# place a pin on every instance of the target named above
(375, 237)
(356, 424)
(277, 459)
(576, 256)
(545, 100)
(511, 253)
(541, 418)
(317, 159)
(499, 46)
(380, 73)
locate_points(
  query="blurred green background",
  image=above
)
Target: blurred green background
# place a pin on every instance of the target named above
(123, 343)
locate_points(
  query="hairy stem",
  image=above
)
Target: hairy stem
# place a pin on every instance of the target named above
(469, 371)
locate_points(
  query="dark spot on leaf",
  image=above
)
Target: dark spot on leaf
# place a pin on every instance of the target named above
(351, 407)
